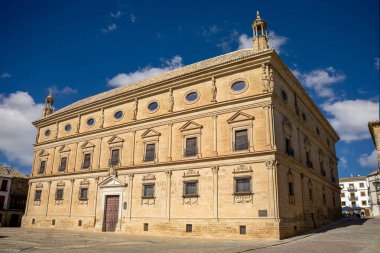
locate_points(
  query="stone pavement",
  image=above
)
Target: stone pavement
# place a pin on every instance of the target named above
(349, 235)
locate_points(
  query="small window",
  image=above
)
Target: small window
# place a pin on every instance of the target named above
(62, 166)
(68, 128)
(190, 188)
(33, 221)
(4, 186)
(42, 167)
(243, 230)
(304, 116)
(114, 157)
(310, 194)
(37, 195)
(342, 195)
(189, 228)
(362, 194)
(146, 226)
(59, 194)
(191, 147)
(118, 115)
(243, 185)
(291, 188)
(79, 223)
(90, 122)
(83, 192)
(324, 198)
(53, 222)
(343, 203)
(364, 203)
(284, 96)
(86, 161)
(153, 106)
(318, 132)
(241, 140)
(47, 132)
(192, 96)
(361, 185)
(328, 142)
(150, 152)
(238, 86)
(288, 147)
(148, 190)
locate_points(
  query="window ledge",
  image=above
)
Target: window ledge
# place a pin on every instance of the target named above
(191, 196)
(242, 193)
(148, 197)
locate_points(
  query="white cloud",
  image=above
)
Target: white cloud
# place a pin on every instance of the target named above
(133, 18)
(275, 41)
(226, 42)
(5, 75)
(376, 63)
(109, 28)
(369, 161)
(127, 78)
(65, 91)
(343, 162)
(17, 111)
(117, 14)
(210, 30)
(350, 118)
(320, 80)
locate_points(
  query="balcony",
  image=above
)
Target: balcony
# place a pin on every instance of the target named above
(351, 189)
(190, 152)
(241, 146)
(353, 198)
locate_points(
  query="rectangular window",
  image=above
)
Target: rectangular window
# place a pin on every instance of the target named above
(324, 198)
(190, 188)
(243, 185)
(364, 203)
(148, 190)
(342, 195)
(114, 157)
(62, 166)
(189, 228)
(2, 200)
(241, 140)
(191, 147)
(351, 187)
(150, 152)
(53, 222)
(362, 194)
(291, 188)
(4, 185)
(42, 167)
(343, 203)
(308, 161)
(59, 194)
(37, 195)
(310, 194)
(353, 203)
(86, 161)
(243, 230)
(79, 223)
(146, 226)
(83, 193)
(288, 147)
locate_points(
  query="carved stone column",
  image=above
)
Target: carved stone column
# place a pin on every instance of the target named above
(133, 147)
(130, 185)
(215, 135)
(102, 117)
(71, 197)
(95, 198)
(100, 152)
(215, 173)
(272, 166)
(170, 141)
(168, 192)
(272, 128)
(48, 199)
(268, 124)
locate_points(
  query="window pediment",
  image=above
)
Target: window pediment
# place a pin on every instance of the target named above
(43, 153)
(112, 181)
(240, 117)
(150, 133)
(64, 149)
(191, 125)
(87, 145)
(115, 141)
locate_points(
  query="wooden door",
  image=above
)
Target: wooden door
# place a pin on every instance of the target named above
(111, 212)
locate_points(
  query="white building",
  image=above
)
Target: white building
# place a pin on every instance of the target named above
(354, 192)
(374, 192)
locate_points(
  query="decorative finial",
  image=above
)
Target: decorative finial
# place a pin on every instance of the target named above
(258, 15)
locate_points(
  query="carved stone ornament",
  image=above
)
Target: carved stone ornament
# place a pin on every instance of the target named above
(190, 201)
(243, 199)
(112, 172)
(215, 169)
(242, 168)
(149, 176)
(168, 173)
(39, 185)
(264, 77)
(135, 108)
(85, 182)
(60, 183)
(271, 80)
(171, 101)
(191, 173)
(290, 176)
(271, 164)
(214, 90)
(148, 201)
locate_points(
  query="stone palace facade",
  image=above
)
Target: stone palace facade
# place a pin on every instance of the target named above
(232, 146)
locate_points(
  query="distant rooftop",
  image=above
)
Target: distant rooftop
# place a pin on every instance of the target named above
(10, 172)
(350, 179)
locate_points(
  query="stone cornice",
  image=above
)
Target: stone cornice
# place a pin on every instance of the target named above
(175, 117)
(126, 93)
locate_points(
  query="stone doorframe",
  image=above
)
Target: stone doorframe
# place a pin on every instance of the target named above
(110, 186)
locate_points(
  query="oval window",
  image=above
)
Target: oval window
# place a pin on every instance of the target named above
(47, 132)
(153, 106)
(90, 121)
(192, 96)
(118, 115)
(68, 128)
(238, 86)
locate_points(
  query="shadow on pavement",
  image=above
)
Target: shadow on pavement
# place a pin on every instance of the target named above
(345, 222)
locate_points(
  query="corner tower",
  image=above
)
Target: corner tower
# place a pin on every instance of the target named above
(260, 35)
(49, 101)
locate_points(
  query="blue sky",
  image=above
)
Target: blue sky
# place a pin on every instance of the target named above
(79, 49)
